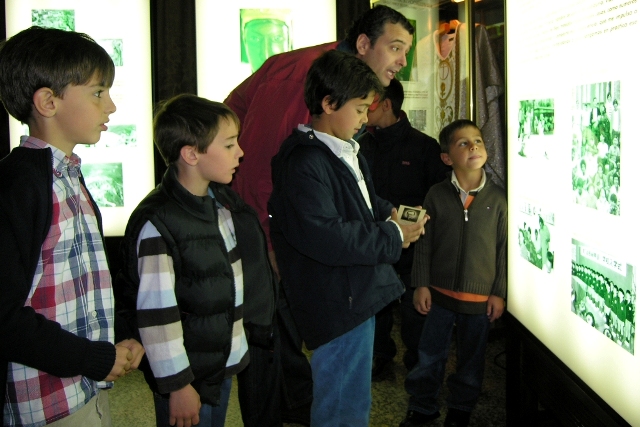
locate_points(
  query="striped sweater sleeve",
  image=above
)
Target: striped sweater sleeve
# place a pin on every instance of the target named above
(158, 314)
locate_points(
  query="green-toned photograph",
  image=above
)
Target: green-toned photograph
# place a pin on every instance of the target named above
(535, 229)
(60, 19)
(120, 136)
(603, 294)
(264, 33)
(105, 182)
(536, 123)
(596, 147)
(114, 49)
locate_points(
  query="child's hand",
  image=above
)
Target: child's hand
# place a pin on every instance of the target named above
(411, 232)
(495, 307)
(136, 350)
(184, 407)
(122, 364)
(422, 299)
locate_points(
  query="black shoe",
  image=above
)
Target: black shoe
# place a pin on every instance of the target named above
(382, 369)
(418, 419)
(457, 418)
(299, 415)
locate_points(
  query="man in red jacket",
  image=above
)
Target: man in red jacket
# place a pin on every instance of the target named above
(270, 104)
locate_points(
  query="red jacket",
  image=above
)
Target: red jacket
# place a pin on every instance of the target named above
(270, 104)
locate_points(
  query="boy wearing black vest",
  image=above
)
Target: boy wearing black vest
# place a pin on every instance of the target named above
(197, 278)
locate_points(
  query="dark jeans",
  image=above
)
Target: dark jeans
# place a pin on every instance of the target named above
(297, 382)
(424, 381)
(284, 368)
(410, 328)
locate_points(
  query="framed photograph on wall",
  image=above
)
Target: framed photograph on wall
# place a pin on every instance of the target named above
(247, 32)
(118, 169)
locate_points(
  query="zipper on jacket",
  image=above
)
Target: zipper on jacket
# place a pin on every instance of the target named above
(350, 302)
(461, 251)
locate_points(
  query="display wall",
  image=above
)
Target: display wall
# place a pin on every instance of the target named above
(573, 98)
(118, 169)
(246, 32)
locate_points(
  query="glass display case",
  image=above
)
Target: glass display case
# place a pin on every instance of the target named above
(436, 80)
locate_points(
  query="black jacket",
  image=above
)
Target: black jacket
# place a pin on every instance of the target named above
(335, 256)
(404, 164)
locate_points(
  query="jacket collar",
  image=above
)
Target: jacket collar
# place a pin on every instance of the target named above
(388, 137)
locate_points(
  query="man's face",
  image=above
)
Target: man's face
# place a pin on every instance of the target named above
(389, 54)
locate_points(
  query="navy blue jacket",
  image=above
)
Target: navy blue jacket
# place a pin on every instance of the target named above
(334, 256)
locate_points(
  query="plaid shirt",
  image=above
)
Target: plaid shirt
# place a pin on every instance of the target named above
(71, 286)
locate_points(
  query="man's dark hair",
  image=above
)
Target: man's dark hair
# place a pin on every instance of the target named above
(394, 93)
(372, 23)
(446, 134)
(340, 76)
(45, 57)
(188, 120)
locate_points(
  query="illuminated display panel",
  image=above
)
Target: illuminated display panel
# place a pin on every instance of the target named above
(118, 169)
(573, 96)
(229, 34)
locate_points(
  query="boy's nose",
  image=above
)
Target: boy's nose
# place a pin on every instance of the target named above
(111, 106)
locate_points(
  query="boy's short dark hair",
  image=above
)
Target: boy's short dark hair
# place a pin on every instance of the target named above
(188, 120)
(394, 93)
(342, 77)
(446, 134)
(372, 23)
(46, 57)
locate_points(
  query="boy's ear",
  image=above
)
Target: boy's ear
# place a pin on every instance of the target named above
(189, 154)
(327, 106)
(386, 105)
(44, 102)
(363, 44)
(446, 159)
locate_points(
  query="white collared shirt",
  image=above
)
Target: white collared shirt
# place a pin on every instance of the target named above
(464, 194)
(347, 151)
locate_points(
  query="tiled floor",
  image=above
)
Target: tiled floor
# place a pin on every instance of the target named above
(132, 405)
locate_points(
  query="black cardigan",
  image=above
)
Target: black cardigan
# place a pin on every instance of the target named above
(26, 337)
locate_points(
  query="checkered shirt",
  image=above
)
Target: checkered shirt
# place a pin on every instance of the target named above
(71, 286)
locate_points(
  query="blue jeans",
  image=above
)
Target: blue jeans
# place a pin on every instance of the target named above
(341, 372)
(210, 416)
(424, 381)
